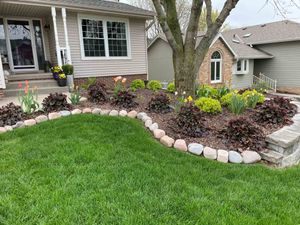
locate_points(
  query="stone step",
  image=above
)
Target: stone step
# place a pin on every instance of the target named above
(272, 156)
(32, 83)
(42, 90)
(32, 76)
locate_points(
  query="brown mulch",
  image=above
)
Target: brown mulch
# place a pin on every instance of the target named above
(213, 123)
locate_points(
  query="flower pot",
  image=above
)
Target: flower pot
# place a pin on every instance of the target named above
(70, 81)
(62, 82)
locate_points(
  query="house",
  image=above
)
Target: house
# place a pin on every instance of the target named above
(236, 55)
(99, 38)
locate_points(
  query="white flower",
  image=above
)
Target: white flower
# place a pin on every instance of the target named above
(176, 93)
(184, 93)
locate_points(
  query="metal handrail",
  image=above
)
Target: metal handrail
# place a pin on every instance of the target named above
(261, 78)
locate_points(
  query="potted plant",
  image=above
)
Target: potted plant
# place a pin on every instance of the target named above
(69, 72)
(56, 70)
(62, 80)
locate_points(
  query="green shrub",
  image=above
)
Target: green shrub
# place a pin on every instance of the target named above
(137, 84)
(252, 95)
(225, 100)
(154, 85)
(68, 69)
(208, 105)
(171, 87)
(206, 91)
(237, 104)
(261, 87)
(222, 91)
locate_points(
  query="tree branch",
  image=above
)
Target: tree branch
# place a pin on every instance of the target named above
(208, 13)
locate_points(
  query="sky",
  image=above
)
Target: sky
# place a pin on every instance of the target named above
(253, 12)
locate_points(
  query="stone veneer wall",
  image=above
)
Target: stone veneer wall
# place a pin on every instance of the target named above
(227, 62)
(1, 93)
(108, 80)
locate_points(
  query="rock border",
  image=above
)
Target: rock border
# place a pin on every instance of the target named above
(196, 149)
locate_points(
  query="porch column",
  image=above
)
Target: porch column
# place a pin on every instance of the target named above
(2, 78)
(64, 16)
(53, 11)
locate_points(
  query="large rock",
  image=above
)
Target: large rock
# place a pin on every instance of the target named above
(19, 125)
(148, 123)
(250, 157)
(145, 118)
(114, 113)
(167, 141)
(41, 118)
(2, 130)
(153, 126)
(96, 111)
(141, 115)
(158, 133)
(123, 113)
(76, 112)
(210, 153)
(222, 156)
(8, 128)
(132, 114)
(105, 112)
(29, 123)
(87, 111)
(180, 144)
(54, 115)
(195, 148)
(235, 157)
(65, 113)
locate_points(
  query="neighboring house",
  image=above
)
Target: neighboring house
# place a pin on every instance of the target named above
(236, 55)
(101, 39)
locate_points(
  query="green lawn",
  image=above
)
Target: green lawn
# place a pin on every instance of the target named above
(102, 170)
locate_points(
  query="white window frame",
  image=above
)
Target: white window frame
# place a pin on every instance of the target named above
(215, 65)
(243, 62)
(106, 46)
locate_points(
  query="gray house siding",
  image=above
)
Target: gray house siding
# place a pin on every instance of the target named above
(284, 67)
(160, 61)
(241, 81)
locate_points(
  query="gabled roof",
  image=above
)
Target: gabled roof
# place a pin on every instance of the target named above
(101, 5)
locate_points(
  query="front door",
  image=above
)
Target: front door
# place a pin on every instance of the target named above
(21, 45)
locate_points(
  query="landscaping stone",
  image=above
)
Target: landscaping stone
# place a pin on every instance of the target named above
(41, 118)
(222, 156)
(105, 112)
(19, 125)
(210, 153)
(153, 126)
(2, 130)
(195, 148)
(148, 123)
(29, 123)
(8, 128)
(158, 133)
(167, 141)
(180, 144)
(123, 113)
(250, 157)
(114, 113)
(145, 118)
(96, 111)
(83, 99)
(141, 115)
(132, 114)
(53, 116)
(65, 113)
(235, 157)
(76, 112)
(87, 111)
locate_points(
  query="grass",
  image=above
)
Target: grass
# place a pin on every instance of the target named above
(99, 170)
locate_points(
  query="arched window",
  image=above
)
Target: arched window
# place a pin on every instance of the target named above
(216, 67)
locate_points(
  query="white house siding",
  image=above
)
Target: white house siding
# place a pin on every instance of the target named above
(160, 61)
(241, 81)
(284, 67)
(137, 64)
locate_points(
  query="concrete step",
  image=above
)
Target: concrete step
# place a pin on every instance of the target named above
(32, 83)
(41, 90)
(272, 156)
(33, 76)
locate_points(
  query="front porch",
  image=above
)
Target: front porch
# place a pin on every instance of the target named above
(29, 45)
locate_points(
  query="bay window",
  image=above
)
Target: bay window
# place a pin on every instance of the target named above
(242, 66)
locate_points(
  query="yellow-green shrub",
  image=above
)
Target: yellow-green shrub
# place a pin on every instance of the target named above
(207, 91)
(248, 93)
(226, 99)
(154, 85)
(208, 105)
(137, 84)
(171, 87)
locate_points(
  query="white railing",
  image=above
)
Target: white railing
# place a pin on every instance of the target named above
(2, 78)
(263, 80)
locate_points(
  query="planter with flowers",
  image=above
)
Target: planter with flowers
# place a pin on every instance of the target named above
(56, 70)
(62, 80)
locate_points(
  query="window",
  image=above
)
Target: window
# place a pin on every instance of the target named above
(216, 67)
(242, 66)
(103, 38)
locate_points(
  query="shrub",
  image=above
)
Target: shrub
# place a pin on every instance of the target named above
(253, 97)
(160, 103)
(222, 91)
(226, 99)
(208, 105)
(55, 102)
(261, 87)
(285, 103)
(243, 134)
(10, 114)
(68, 69)
(137, 84)
(97, 92)
(189, 121)
(206, 91)
(237, 104)
(171, 87)
(154, 85)
(90, 81)
(124, 99)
